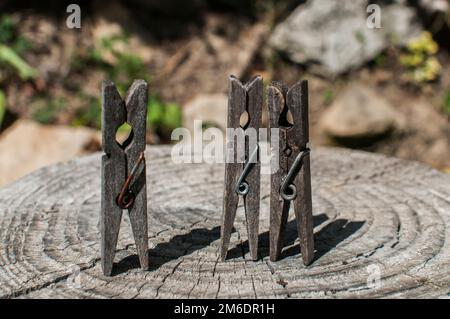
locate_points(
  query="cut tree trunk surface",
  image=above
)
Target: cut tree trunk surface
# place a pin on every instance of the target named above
(374, 217)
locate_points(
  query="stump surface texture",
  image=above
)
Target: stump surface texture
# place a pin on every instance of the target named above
(381, 228)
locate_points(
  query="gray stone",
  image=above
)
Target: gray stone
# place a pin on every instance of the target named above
(359, 113)
(434, 6)
(211, 109)
(27, 146)
(335, 37)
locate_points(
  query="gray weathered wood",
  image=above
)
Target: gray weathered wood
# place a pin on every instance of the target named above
(242, 98)
(117, 162)
(297, 99)
(293, 138)
(279, 209)
(372, 215)
(254, 91)
(136, 104)
(113, 172)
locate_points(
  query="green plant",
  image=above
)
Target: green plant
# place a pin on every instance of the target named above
(2, 107)
(91, 114)
(380, 60)
(11, 58)
(11, 46)
(122, 68)
(328, 96)
(447, 102)
(45, 109)
(7, 29)
(163, 116)
(118, 65)
(420, 60)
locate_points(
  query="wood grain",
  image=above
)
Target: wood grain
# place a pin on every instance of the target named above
(279, 209)
(242, 98)
(136, 104)
(113, 171)
(371, 213)
(254, 91)
(297, 99)
(293, 139)
(117, 163)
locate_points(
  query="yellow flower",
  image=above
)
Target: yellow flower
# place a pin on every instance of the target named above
(420, 58)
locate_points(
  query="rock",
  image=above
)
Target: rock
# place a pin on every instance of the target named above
(334, 34)
(27, 146)
(210, 108)
(359, 113)
(425, 137)
(434, 6)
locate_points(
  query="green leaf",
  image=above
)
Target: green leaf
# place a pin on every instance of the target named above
(2, 107)
(155, 112)
(447, 102)
(8, 56)
(172, 116)
(6, 29)
(328, 96)
(45, 110)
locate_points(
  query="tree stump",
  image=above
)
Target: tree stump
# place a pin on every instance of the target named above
(374, 218)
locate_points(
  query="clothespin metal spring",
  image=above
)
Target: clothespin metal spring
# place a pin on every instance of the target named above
(288, 191)
(125, 199)
(242, 186)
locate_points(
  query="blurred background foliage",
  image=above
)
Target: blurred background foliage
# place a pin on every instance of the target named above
(51, 75)
(45, 106)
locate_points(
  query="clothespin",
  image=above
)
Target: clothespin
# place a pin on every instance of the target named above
(243, 178)
(123, 170)
(292, 181)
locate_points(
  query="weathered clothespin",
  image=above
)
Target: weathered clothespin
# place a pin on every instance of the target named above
(292, 181)
(243, 178)
(123, 170)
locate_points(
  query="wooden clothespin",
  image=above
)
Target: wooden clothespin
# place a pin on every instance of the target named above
(243, 178)
(123, 170)
(292, 181)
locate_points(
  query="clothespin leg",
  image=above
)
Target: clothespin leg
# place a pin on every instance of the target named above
(136, 103)
(303, 212)
(138, 220)
(297, 98)
(279, 208)
(251, 204)
(113, 174)
(278, 219)
(236, 105)
(111, 214)
(230, 203)
(254, 91)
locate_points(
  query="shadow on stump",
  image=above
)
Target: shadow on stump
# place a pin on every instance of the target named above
(324, 240)
(181, 245)
(177, 246)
